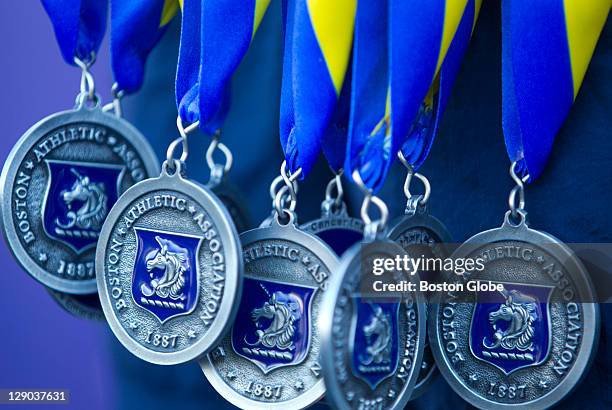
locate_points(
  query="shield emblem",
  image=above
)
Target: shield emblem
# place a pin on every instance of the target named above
(511, 329)
(272, 327)
(78, 198)
(165, 275)
(375, 341)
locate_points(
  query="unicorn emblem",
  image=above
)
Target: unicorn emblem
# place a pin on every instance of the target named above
(173, 265)
(93, 200)
(272, 326)
(510, 329)
(282, 311)
(378, 336)
(519, 311)
(78, 198)
(165, 274)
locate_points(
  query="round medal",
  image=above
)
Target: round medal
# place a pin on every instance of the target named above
(81, 306)
(371, 345)
(501, 348)
(338, 230)
(421, 234)
(270, 359)
(58, 184)
(169, 269)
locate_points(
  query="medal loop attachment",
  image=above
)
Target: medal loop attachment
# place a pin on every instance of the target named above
(414, 202)
(516, 199)
(285, 199)
(372, 227)
(334, 205)
(88, 85)
(184, 132)
(218, 170)
(115, 105)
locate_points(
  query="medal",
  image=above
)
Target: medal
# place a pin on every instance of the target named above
(168, 259)
(58, 184)
(169, 267)
(66, 172)
(81, 306)
(270, 358)
(527, 345)
(420, 233)
(335, 227)
(372, 345)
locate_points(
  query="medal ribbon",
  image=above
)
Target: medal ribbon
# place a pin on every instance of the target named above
(79, 26)
(318, 38)
(215, 36)
(399, 49)
(136, 27)
(427, 122)
(546, 49)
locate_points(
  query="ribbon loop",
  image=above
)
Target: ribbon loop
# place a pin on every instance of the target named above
(79, 26)
(136, 27)
(318, 38)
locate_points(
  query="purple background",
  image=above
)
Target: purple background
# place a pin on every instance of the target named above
(42, 346)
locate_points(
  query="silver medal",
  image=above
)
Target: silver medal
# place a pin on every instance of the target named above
(526, 346)
(335, 227)
(270, 358)
(169, 268)
(371, 350)
(372, 345)
(420, 233)
(58, 184)
(81, 306)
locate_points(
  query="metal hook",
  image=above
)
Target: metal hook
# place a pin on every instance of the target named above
(411, 173)
(88, 85)
(519, 189)
(229, 158)
(372, 226)
(184, 132)
(335, 182)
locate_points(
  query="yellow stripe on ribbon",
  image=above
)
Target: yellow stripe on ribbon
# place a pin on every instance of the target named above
(169, 11)
(453, 12)
(333, 23)
(584, 20)
(260, 9)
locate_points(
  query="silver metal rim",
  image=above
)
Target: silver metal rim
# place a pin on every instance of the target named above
(233, 285)
(16, 156)
(334, 394)
(429, 222)
(590, 311)
(326, 255)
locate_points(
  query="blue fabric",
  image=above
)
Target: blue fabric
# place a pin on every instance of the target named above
(367, 150)
(335, 138)
(226, 32)
(79, 26)
(422, 135)
(188, 68)
(307, 93)
(135, 30)
(415, 38)
(537, 85)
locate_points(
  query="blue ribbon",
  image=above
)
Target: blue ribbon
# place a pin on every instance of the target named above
(368, 144)
(188, 69)
(79, 26)
(136, 27)
(425, 127)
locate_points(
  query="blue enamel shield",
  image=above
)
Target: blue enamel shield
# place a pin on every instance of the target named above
(165, 276)
(78, 198)
(511, 329)
(272, 327)
(375, 346)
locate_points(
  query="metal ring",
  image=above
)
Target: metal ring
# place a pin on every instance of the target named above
(229, 158)
(184, 132)
(88, 85)
(421, 177)
(335, 182)
(290, 180)
(382, 208)
(519, 189)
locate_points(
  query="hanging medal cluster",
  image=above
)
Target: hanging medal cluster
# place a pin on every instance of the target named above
(283, 316)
